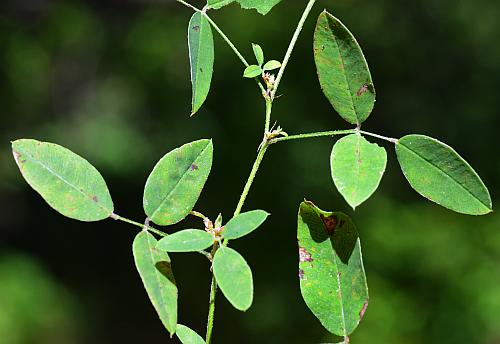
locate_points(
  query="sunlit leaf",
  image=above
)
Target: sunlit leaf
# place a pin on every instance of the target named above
(357, 167)
(188, 240)
(437, 172)
(331, 273)
(262, 6)
(252, 71)
(156, 274)
(174, 185)
(234, 277)
(342, 70)
(201, 58)
(271, 65)
(259, 54)
(65, 180)
(188, 336)
(244, 224)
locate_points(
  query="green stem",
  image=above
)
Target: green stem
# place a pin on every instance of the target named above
(211, 310)
(390, 139)
(269, 109)
(189, 5)
(300, 25)
(312, 135)
(138, 224)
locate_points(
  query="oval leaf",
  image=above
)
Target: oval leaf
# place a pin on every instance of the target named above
(262, 6)
(244, 224)
(331, 273)
(201, 58)
(188, 336)
(271, 65)
(65, 180)
(342, 70)
(234, 277)
(176, 181)
(357, 167)
(252, 71)
(156, 274)
(188, 240)
(259, 54)
(437, 172)
(216, 4)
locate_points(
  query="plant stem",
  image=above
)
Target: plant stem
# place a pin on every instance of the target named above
(211, 310)
(300, 25)
(138, 224)
(312, 135)
(269, 109)
(189, 5)
(390, 139)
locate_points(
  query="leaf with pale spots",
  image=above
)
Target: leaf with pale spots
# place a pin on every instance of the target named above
(437, 172)
(65, 180)
(174, 185)
(188, 336)
(357, 167)
(188, 240)
(156, 273)
(331, 273)
(234, 277)
(244, 224)
(342, 70)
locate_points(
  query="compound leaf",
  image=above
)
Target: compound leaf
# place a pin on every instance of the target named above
(201, 58)
(174, 185)
(357, 167)
(234, 277)
(188, 240)
(244, 224)
(65, 180)
(437, 172)
(188, 336)
(342, 70)
(156, 274)
(331, 273)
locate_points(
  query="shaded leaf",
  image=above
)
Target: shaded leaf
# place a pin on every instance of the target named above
(156, 274)
(259, 54)
(331, 273)
(262, 6)
(357, 167)
(201, 58)
(65, 180)
(188, 240)
(174, 185)
(216, 4)
(437, 172)
(234, 277)
(244, 224)
(271, 65)
(252, 71)
(188, 336)
(342, 70)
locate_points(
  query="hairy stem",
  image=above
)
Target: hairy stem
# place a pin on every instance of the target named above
(313, 135)
(211, 310)
(289, 51)
(269, 109)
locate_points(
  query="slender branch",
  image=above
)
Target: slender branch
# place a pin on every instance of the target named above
(211, 310)
(390, 139)
(269, 109)
(138, 224)
(300, 25)
(313, 135)
(189, 5)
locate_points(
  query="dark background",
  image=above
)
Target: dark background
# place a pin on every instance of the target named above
(110, 81)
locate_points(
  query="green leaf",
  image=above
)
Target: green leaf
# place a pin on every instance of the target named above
(271, 65)
(65, 180)
(244, 224)
(216, 4)
(174, 185)
(262, 6)
(188, 240)
(156, 274)
(188, 336)
(342, 70)
(259, 54)
(201, 58)
(357, 167)
(437, 172)
(252, 71)
(331, 273)
(234, 277)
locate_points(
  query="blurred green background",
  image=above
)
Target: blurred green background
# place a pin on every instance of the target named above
(109, 79)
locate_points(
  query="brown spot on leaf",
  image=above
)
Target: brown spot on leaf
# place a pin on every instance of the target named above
(194, 167)
(196, 28)
(95, 199)
(304, 256)
(301, 274)
(363, 310)
(330, 223)
(362, 89)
